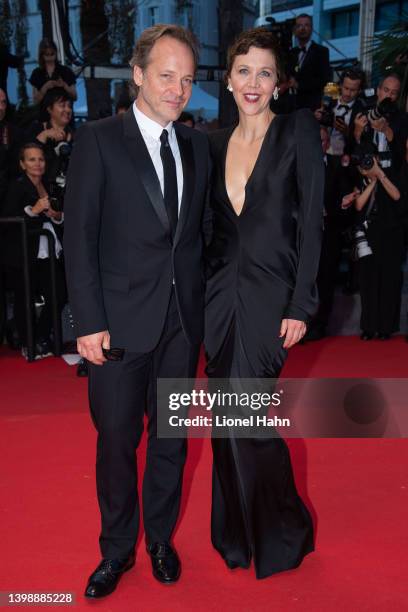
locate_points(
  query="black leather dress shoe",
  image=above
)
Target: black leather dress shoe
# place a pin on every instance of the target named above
(106, 576)
(165, 562)
(366, 336)
(384, 336)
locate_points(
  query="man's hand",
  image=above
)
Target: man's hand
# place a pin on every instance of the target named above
(359, 124)
(293, 330)
(90, 347)
(318, 113)
(340, 125)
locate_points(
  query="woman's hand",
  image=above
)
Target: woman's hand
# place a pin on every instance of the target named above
(349, 199)
(293, 330)
(41, 205)
(54, 214)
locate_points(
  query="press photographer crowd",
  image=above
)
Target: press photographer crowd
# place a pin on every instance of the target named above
(364, 136)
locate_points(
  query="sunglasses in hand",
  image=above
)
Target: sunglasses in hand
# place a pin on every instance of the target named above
(113, 354)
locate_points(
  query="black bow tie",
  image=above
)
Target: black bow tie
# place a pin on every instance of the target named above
(346, 106)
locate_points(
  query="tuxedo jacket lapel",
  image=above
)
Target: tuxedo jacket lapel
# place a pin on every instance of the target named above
(141, 159)
(187, 160)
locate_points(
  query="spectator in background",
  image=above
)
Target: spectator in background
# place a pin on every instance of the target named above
(7, 60)
(55, 134)
(10, 140)
(28, 196)
(309, 66)
(187, 119)
(50, 73)
(123, 104)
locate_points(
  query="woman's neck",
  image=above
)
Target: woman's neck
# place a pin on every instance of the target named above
(36, 180)
(55, 124)
(252, 128)
(50, 67)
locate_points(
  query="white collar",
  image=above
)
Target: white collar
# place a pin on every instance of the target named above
(307, 46)
(349, 104)
(150, 126)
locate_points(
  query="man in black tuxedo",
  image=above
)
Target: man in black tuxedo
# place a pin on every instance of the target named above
(308, 65)
(133, 246)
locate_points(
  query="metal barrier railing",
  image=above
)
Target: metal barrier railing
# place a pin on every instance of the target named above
(29, 311)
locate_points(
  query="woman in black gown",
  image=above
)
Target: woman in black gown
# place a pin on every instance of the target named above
(267, 204)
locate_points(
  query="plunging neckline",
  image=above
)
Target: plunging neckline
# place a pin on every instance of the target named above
(253, 169)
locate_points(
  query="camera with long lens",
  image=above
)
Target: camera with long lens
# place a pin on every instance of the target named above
(374, 110)
(360, 242)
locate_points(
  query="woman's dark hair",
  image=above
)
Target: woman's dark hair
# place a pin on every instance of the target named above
(29, 145)
(45, 44)
(56, 94)
(261, 38)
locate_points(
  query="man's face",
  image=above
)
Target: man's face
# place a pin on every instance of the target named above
(350, 89)
(165, 86)
(303, 29)
(389, 89)
(3, 104)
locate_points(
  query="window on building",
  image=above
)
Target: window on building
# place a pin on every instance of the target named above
(153, 12)
(345, 23)
(388, 13)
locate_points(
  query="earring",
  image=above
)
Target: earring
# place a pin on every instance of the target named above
(275, 93)
(229, 87)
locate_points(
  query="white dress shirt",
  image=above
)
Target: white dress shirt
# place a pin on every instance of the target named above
(337, 139)
(151, 132)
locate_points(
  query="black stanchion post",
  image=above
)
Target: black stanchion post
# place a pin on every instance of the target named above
(27, 292)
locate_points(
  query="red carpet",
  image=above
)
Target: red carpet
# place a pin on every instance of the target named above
(356, 489)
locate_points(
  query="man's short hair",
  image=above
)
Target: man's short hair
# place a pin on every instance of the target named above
(355, 74)
(150, 36)
(303, 15)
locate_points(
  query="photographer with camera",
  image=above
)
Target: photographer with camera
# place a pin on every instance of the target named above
(338, 115)
(379, 244)
(382, 123)
(28, 196)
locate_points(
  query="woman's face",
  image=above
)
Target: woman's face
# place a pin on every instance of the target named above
(60, 112)
(49, 55)
(33, 163)
(253, 79)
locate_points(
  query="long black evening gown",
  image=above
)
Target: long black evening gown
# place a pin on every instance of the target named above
(261, 268)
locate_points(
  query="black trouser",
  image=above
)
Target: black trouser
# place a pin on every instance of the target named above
(40, 276)
(120, 393)
(380, 280)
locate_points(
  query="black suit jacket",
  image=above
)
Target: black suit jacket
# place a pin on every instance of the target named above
(120, 258)
(313, 75)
